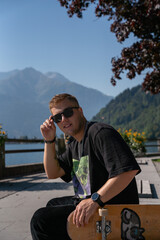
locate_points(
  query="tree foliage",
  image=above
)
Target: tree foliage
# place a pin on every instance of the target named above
(140, 17)
(133, 109)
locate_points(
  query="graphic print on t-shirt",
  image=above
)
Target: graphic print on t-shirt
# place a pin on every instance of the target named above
(81, 177)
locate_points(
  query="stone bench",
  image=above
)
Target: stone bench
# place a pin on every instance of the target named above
(142, 162)
(144, 189)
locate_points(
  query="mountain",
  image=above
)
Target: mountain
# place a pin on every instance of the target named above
(25, 94)
(4, 75)
(133, 109)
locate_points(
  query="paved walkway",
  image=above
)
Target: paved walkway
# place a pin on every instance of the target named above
(21, 197)
(150, 173)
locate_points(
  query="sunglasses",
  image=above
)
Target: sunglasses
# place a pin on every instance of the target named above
(68, 112)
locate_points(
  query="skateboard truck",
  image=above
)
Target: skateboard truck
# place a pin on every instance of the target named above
(103, 226)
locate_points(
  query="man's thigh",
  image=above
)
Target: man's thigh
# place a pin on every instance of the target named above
(51, 222)
(62, 201)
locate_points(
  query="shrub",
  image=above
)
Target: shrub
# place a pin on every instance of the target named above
(134, 139)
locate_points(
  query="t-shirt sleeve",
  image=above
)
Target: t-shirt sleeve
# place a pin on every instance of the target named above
(114, 152)
(65, 162)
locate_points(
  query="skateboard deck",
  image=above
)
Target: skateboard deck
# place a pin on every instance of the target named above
(126, 222)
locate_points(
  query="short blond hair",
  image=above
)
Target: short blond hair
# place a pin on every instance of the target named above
(61, 97)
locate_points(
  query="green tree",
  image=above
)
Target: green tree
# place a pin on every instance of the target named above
(140, 17)
(133, 109)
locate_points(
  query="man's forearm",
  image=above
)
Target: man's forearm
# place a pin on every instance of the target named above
(51, 164)
(116, 185)
(86, 208)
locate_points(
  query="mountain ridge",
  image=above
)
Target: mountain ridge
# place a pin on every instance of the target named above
(133, 109)
(25, 94)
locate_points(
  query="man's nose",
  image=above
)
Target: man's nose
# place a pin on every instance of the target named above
(63, 118)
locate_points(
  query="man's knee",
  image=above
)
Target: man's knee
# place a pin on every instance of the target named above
(51, 203)
(37, 218)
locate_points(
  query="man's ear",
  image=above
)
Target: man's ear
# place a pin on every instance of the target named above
(80, 110)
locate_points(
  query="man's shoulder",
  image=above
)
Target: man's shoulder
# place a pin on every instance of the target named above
(96, 127)
(99, 125)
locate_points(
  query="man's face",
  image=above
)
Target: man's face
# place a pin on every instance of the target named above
(73, 125)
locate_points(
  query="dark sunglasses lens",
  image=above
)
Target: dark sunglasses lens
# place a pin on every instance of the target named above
(68, 112)
(57, 118)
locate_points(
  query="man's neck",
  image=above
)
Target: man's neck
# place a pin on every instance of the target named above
(80, 135)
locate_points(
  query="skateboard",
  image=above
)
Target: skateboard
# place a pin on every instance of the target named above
(115, 222)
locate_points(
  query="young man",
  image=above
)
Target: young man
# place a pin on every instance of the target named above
(98, 161)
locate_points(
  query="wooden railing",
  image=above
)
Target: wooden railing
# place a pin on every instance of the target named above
(9, 140)
(8, 171)
(149, 144)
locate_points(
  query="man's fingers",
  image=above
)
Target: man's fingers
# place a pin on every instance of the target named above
(84, 210)
(79, 217)
(74, 217)
(48, 129)
(86, 219)
(48, 124)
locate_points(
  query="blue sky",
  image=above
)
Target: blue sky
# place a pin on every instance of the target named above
(39, 34)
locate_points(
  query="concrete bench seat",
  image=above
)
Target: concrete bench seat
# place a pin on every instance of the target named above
(144, 189)
(142, 162)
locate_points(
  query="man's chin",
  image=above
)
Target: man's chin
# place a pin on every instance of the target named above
(68, 131)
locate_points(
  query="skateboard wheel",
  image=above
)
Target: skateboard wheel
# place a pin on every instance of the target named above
(103, 212)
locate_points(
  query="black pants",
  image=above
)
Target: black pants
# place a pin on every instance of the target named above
(49, 223)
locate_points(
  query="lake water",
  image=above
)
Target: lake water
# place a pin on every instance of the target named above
(152, 149)
(37, 157)
(23, 158)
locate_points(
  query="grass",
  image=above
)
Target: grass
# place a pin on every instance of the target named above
(156, 160)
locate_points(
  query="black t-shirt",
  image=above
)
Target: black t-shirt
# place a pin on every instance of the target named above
(102, 154)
